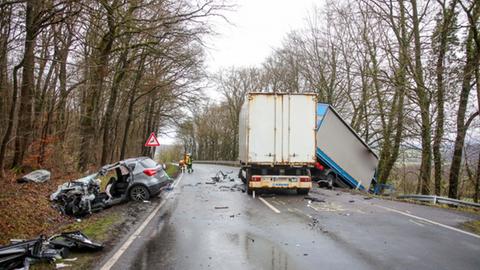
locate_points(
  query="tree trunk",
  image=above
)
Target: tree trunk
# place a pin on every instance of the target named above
(391, 146)
(24, 129)
(472, 55)
(119, 74)
(11, 120)
(131, 103)
(444, 28)
(477, 181)
(97, 76)
(424, 104)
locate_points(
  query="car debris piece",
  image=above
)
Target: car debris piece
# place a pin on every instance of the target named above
(75, 240)
(15, 255)
(221, 207)
(221, 176)
(37, 176)
(313, 199)
(351, 201)
(62, 265)
(21, 253)
(210, 183)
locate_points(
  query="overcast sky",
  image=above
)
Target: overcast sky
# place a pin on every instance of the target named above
(254, 30)
(257, 27)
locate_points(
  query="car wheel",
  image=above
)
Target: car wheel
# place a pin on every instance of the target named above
(139, 193)
(331, 178)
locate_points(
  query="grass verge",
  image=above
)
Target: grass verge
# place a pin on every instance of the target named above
(97, 227)
(472, 226)
(172, 170)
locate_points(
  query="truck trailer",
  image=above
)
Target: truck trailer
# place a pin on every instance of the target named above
(277, 141)
(343, 158)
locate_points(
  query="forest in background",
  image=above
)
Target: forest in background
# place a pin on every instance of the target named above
(404, 73)
(84, 82)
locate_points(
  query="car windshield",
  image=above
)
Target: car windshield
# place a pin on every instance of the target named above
(148, 163)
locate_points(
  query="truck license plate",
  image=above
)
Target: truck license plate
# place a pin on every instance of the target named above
(280, 184)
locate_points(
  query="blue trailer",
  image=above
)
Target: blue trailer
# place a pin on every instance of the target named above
(343, 158)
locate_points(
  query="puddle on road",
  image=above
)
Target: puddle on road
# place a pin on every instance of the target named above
(261, 253)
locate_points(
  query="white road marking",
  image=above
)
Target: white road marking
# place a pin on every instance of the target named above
(132, 237)
(269, 205)
(429, 221)
(414, 222)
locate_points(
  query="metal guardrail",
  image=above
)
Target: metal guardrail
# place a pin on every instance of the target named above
(438, 199)
(218, 162)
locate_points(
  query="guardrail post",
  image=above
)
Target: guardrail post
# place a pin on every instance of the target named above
(434, 199)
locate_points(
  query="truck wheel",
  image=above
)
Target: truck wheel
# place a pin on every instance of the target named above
(240, 175)
(248, 175)
(331, 178)
(302, 191)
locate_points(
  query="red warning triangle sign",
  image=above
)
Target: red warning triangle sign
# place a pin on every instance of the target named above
(152, 141)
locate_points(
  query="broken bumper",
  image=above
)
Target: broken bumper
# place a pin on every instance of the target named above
(280, 182)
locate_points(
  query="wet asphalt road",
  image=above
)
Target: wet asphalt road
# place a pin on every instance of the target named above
(344, 232)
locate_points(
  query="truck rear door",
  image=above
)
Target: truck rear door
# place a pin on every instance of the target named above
(301, 128)
(261, 129)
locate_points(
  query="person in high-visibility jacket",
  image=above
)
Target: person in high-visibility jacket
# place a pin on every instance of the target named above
(181, 164)
(189, 161)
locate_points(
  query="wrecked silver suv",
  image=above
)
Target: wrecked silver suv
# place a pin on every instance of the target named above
(135, 178)
(79, 197)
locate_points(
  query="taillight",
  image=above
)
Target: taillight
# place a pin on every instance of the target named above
(150, 172)
(256, 178)
(305, 179)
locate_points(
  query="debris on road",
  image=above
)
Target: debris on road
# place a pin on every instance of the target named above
(210, 183)
(222, 176)
(351, 201)
(62, 265)
(22, 253)
(368, 198)
(314, 222)
(314, 199)
(38, 176)
(238, 187)
(221, 207)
